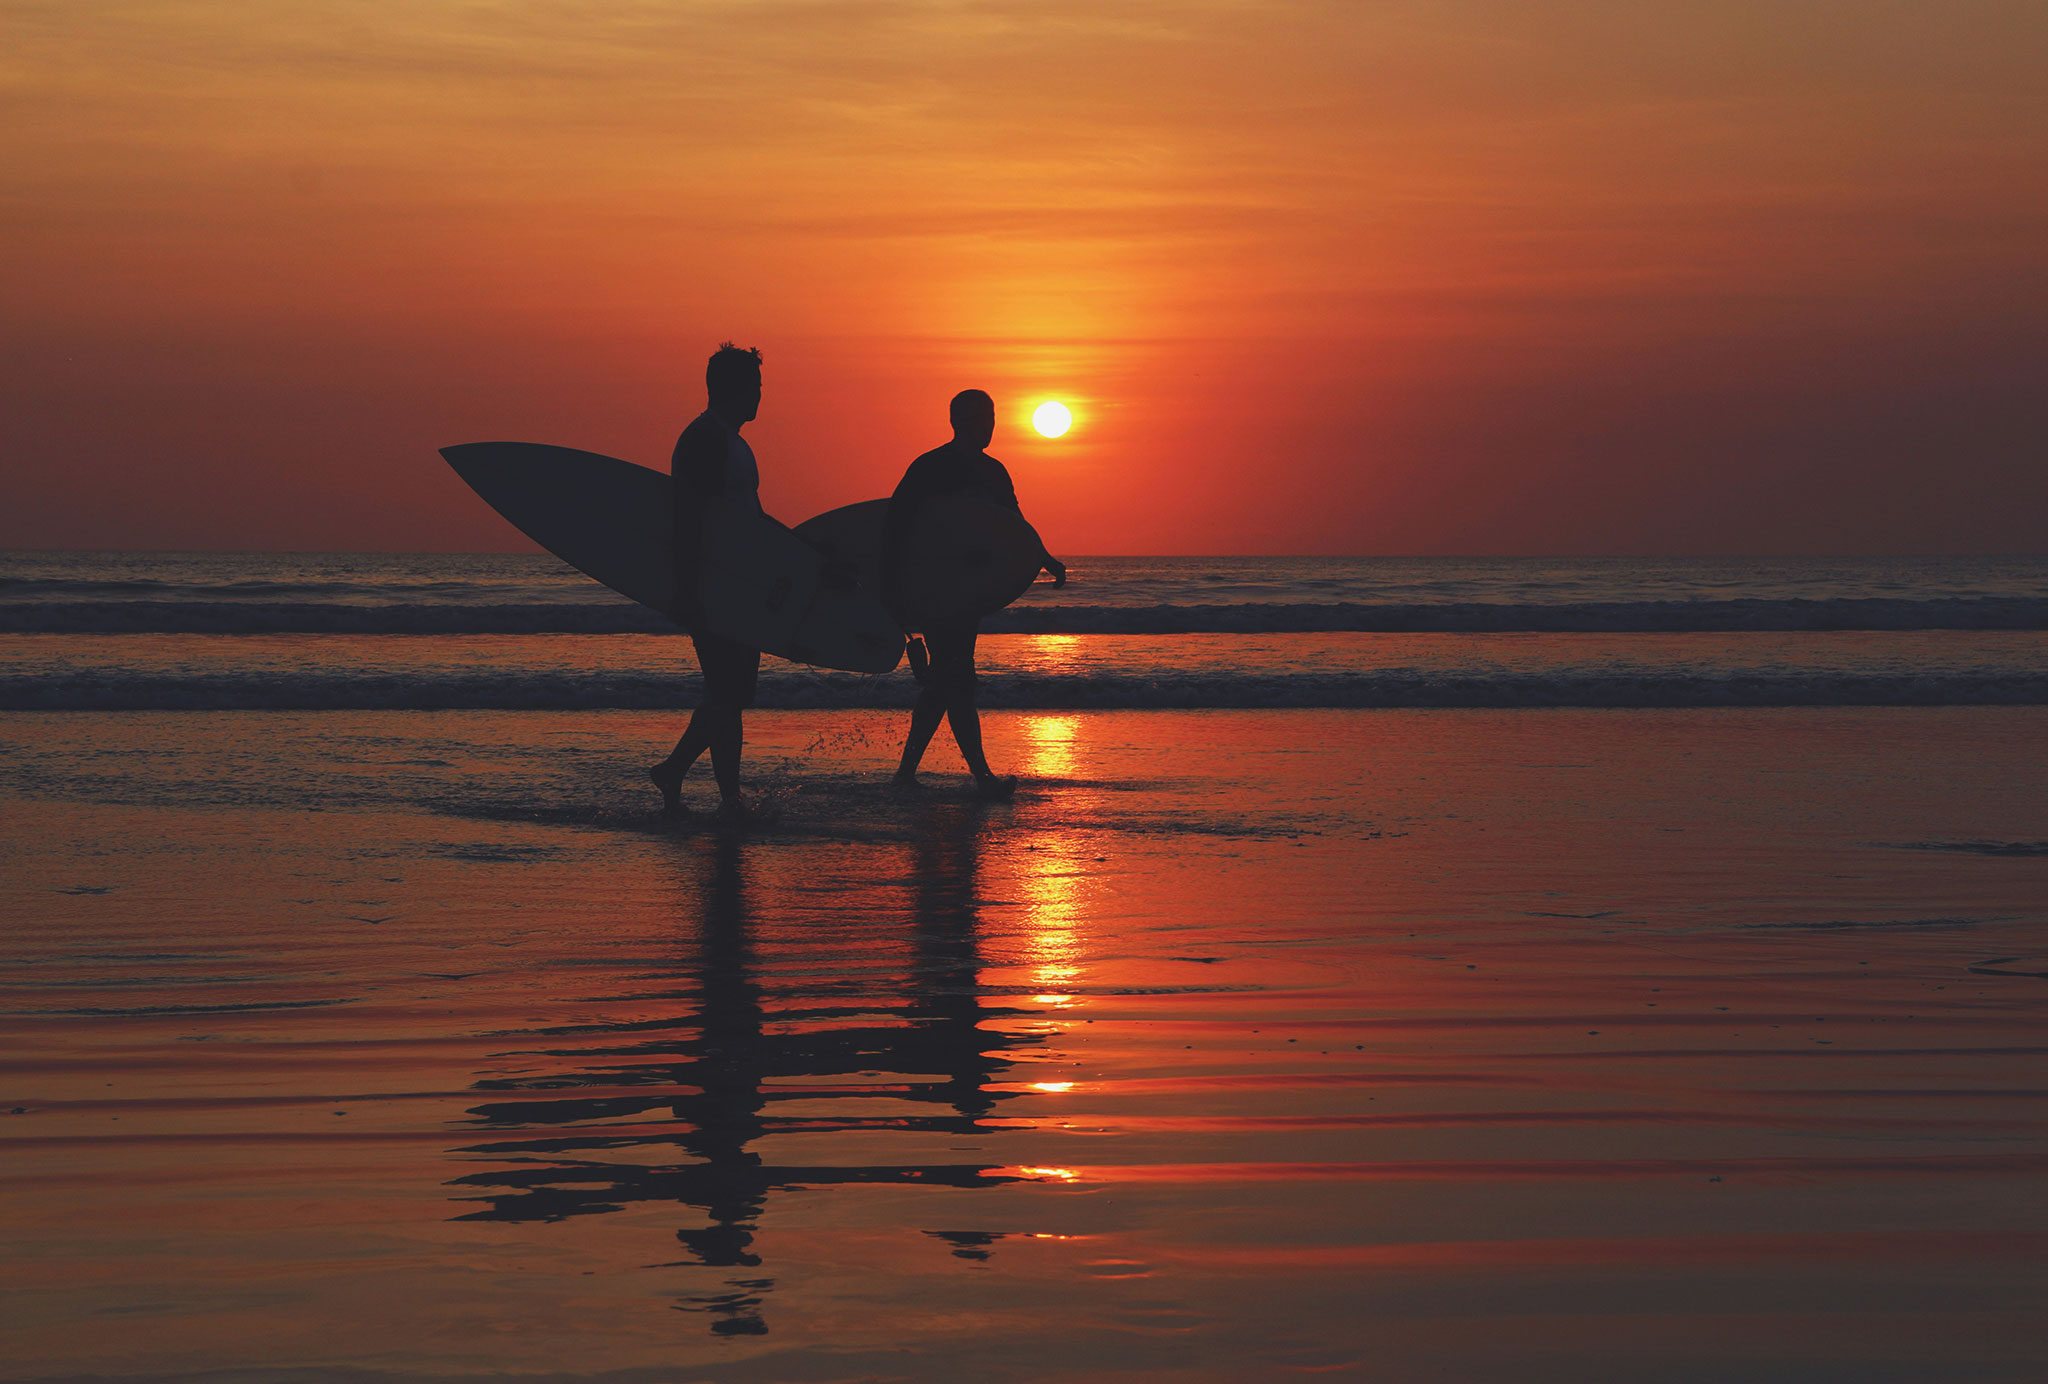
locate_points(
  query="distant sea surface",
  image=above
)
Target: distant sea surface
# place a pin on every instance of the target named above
(136, 631)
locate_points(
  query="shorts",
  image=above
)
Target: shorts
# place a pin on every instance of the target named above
(951, 648)
(731, 670)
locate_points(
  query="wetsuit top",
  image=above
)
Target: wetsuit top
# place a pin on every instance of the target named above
(949, 470)
(711, 460)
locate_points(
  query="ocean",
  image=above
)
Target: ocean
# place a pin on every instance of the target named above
(210, 631)
(1511, 971)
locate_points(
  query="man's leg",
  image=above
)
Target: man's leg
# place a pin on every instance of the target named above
(965, 719)
(730, 673)
(924, 721)
(941, 679)
(952, 675)
(727, 735)
(668, 775)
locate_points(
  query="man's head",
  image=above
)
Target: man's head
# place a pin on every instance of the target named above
(974, 418)
(732, 379)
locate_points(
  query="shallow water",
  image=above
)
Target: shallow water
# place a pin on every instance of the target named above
(1393, 1045)
(520, 579)
(133, 672)
(472, 594)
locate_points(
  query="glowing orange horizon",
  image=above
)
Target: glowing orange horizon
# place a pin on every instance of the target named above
(1685, 279)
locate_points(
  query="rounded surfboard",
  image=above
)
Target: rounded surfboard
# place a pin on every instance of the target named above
(965, 557)
(612, 520)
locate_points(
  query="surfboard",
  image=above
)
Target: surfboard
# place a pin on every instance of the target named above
(762, 585)
(966, 556)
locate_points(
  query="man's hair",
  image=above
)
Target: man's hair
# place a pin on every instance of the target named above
(732, 365)
(971, 405)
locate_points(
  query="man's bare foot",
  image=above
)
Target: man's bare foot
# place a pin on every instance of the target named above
(905, 783)
(996, 787)
(669, 780)
(734, 810)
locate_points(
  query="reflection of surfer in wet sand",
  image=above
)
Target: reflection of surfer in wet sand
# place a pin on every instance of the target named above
(961, 467)
(712, 461)
(748, 1089)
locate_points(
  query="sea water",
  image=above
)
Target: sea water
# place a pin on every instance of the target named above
(136, 631)
(362, 1017)
(1491, 1045)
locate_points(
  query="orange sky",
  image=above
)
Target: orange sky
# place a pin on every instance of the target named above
(1333, 277)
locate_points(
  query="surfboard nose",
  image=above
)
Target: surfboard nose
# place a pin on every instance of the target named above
(469, 458)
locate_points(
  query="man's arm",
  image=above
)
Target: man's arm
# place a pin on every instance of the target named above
(698, 470)
(996, 483)
(1004, 490)
(911, 493)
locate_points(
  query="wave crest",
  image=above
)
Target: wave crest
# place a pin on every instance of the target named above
(620, 617)
(800, 688)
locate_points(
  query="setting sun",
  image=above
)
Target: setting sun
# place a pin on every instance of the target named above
(1051, 418)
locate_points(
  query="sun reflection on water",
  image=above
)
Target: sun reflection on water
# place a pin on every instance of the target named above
(1049, 739)
(1049, 876)
(1052, 944)
(1048, 1174)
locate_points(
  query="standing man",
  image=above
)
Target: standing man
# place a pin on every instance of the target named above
(713, 468)
(948, 692)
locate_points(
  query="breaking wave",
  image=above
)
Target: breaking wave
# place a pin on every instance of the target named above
(620, 617)
(791, 687)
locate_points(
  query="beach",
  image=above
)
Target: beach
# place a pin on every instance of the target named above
(1400, 1043)
(1501, 552)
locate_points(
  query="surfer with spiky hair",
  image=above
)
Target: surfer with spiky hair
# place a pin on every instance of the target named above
(944, 663)
(713, 468)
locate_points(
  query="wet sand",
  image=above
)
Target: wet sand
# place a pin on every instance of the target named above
(1390, 1045)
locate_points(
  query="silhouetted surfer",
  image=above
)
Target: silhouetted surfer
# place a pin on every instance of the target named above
(961, 466)
(712, 462)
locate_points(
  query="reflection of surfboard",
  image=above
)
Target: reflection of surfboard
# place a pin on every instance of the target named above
(611, 520)
(966, 556)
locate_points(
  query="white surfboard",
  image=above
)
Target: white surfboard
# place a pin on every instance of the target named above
(611, 520)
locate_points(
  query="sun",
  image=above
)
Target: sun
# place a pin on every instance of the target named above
(1051, 418)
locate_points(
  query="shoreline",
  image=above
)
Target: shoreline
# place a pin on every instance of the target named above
(1707, 1035)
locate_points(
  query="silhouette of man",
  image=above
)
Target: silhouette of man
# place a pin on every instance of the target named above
(962, 466)
(713, 468)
